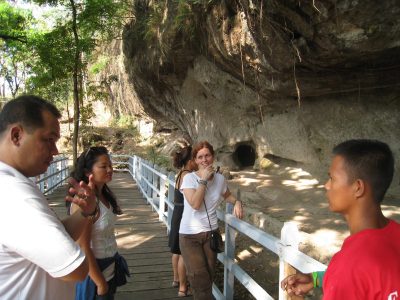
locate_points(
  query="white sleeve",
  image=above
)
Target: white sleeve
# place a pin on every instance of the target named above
(189, 182)
(35, 233)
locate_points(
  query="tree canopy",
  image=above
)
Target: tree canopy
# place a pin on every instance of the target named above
(52, 60)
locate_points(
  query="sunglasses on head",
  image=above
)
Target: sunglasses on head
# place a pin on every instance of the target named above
(96, 149)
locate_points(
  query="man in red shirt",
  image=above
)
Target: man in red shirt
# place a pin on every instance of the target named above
(368, 265)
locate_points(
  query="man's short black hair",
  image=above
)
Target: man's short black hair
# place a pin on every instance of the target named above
(26, 110)
(368, 160)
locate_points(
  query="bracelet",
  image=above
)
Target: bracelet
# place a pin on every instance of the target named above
(202, 181)
(93, 214)
(318, 278)
(315, 277)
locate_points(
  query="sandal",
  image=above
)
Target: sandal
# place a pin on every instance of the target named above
(186, 293)
(175, 284)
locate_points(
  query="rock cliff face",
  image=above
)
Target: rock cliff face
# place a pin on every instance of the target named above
(284, 80)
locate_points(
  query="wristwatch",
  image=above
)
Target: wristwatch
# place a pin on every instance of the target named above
(202, 181)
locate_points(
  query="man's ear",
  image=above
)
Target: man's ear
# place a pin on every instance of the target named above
(16, 134)
(359, 188)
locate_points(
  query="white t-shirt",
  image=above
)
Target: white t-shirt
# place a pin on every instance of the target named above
(35, 248)
(195, 221)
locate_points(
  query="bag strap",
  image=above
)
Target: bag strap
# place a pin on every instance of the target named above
(179, 176)
(209, 223)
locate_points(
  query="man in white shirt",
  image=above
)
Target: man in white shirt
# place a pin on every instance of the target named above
(38, 256)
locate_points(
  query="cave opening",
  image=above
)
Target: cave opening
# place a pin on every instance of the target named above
(244, 155)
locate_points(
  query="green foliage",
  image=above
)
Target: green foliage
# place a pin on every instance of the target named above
(14, 66)
(56, 90)
(54, 50)
(148, 32)
(86, 113)
(100, 64)
(103, 19)
(125, 121)
(14, 23)
(160, 25)
(97, 92)
(15, 49)
(189, 18)
(154, 23)
(50, 53)
(158, 159)
(184, 20)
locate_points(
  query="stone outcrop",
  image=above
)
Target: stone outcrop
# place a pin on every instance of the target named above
(283, 80)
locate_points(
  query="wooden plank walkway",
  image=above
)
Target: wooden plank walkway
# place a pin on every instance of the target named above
(141, 239)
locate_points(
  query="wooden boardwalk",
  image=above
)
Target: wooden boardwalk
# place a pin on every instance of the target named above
(141, 239)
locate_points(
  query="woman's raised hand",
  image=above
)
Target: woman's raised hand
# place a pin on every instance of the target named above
(206, 173)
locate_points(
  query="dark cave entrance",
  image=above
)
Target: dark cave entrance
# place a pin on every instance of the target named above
(244, 155)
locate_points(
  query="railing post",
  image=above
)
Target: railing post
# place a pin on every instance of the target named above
(48, 180)
(155, 181)
(145, 173)
(162, 196)
(65, 168)
(42, 183)
(58, 169)
(149, 177)
(139, 174)
(171, 194)
(134, 167)
(144, 176)
(62, 166)
(230, 237)
(290, 236)
(53, 179)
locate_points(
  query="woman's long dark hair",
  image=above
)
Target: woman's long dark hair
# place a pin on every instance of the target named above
(85, 164)
(182, 156)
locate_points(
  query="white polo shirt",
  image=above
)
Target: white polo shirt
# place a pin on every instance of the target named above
(35, 248)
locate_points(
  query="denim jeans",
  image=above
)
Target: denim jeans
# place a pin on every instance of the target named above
(200, 263)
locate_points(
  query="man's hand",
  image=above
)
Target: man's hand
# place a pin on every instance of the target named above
(297, 284)
(83, 195)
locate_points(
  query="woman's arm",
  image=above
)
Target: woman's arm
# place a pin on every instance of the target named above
(237, 204)
(94, 271)
(195, 197)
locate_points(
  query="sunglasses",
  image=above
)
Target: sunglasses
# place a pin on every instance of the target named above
(96, 150)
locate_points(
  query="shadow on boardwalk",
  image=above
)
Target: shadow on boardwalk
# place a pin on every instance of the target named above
(141, 239)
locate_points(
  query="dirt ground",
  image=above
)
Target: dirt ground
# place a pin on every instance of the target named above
(291, 194)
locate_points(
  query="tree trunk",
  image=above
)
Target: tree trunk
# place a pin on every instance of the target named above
(76, 90)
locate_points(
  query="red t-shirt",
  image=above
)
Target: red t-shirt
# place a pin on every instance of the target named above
(367, 266)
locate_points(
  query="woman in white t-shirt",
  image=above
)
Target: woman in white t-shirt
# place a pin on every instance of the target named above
(107, 269)
(203, 189)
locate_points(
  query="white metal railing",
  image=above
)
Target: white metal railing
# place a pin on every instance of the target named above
(158, 188)
(55, 175)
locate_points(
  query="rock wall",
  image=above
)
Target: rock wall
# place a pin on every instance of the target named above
(289, 79)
